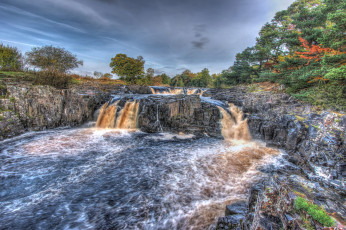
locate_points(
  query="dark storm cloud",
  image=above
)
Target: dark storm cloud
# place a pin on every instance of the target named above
(201, 40)
(170, 35)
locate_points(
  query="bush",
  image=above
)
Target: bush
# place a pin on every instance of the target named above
(54, 59)
(10, 58)
(314, 211)
(55, 79)
(326, 95)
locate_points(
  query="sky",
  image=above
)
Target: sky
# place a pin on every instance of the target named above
(171, 35)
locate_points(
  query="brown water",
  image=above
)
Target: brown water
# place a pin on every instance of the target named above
(234, 127)
(171, 91)
(114, 177)
(125, 118)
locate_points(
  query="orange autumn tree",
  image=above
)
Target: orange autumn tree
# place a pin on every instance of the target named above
(314, 52)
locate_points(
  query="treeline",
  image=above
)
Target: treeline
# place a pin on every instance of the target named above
(132, 71)
(302, 48)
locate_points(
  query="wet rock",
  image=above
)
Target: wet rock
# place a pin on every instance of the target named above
(179, 113)
(42, 107)
(239, 207)
(10, 125)
(231, 222)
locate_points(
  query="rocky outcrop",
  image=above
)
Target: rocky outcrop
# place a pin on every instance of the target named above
(271, 205)
(157, 113)
(179, 113)
(314, 142)
(43, 107)
(25, 107)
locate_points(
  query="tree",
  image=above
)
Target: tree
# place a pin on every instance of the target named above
(127, 68)
(98, 74)
(150, 71)
(165, 79)
(177, 81)
(52, 59)
(304, 48)
(149, 76)
(203, 79)
(10, 58)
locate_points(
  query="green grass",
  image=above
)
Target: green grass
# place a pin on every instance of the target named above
(75, 81)
(26, 76)
(314, 211)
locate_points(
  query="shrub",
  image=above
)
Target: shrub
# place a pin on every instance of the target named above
(49, 58)
(10, 58)
(314, 211)
(55, 79)
(330, 95)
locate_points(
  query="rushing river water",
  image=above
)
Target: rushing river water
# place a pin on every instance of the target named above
(87, 178)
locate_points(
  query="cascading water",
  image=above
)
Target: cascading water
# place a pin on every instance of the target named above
(234, 127)
(169, 91)
(128, 116)
(125, 119)
(98, 178)
(106, 118)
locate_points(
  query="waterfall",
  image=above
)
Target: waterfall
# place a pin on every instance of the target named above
(176, 91)
(157, 123)
(233, 125)
(153, 90)
(170, 91)
(107, 115)
(126, 118)
(191, 91)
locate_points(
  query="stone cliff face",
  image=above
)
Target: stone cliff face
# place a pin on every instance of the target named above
(181, 113)
(24, 107)
(315, 145)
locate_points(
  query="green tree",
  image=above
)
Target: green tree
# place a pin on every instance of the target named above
(203, 79)
(149, 76)
(10, 58)
(220, 80)
(127, 68)
(177, 81)
(165, 79)
(52, 59)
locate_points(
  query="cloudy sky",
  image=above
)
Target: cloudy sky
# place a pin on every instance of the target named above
(171, 35)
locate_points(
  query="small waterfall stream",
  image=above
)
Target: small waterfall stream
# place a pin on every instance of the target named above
(109, 178)
(173, 91)
(126, 118)
(234, 127)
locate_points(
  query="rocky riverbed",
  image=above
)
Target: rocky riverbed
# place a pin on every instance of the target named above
(313, 140)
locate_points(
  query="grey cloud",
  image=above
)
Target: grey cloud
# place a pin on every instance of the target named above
(200, 43)
(170, 35)
(201, 40)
